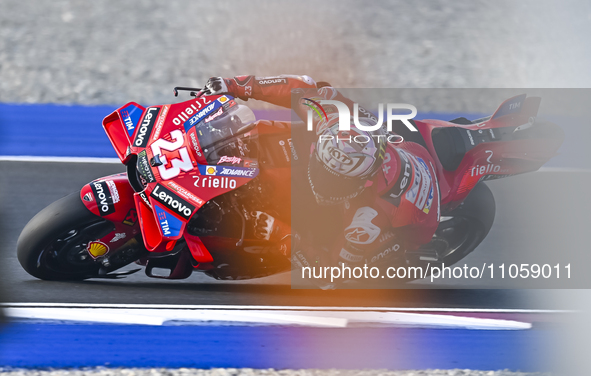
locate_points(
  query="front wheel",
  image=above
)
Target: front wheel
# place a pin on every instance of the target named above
(53, 245)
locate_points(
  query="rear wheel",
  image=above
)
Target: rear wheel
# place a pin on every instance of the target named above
(53, 245)
(460, 231)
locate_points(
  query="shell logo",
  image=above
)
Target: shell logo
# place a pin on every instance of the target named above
(223, 99)
(97, 249)
(211, 170)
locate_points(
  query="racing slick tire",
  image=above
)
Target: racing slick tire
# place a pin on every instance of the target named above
(53, 245)
(460, 231)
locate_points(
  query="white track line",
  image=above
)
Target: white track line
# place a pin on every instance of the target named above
(315, 318)
(281, 308)
(74, 314)
(160, 316)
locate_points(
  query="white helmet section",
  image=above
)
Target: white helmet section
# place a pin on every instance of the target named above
(349, 153)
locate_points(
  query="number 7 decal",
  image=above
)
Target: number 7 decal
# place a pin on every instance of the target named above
(184, 163)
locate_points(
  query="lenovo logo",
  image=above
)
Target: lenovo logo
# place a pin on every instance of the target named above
(172, 201)
(141, 139)
(273, 81)
(103, 197)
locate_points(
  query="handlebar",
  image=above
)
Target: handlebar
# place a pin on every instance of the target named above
(195, 92)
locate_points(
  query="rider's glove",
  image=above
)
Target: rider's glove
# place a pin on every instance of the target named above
(264, 225)
(239, 86)
(269, 228)
(218, 86)
(305, 255)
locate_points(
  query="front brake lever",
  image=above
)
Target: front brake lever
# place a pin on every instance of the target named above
(199, 94)
(193, 91)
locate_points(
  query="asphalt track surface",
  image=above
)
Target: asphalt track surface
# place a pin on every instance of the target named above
(27, 187)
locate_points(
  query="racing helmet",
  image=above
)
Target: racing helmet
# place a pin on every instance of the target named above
(342, 162)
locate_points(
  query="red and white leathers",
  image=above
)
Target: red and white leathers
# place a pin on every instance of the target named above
(399, 209)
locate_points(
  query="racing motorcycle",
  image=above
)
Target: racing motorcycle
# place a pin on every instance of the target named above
(196, 171)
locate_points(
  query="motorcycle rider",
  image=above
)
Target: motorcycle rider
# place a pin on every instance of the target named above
(386, 190)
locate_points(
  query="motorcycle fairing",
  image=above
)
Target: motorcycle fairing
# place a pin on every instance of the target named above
(109, 197)
(198, 249)
(173, 204)
(170, 226)
(130, 116)
(176, 183)
(231, 171)
(514, 111)
(120, 127)
(150, 228)
(170, 211)
(505, 144)
(511, 106)
(211, 106)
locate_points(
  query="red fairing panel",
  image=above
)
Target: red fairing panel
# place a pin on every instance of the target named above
(178, 186)
(120, 127)
(506, 144)
(110, 197)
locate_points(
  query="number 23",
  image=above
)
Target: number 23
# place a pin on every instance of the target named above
(184, 163)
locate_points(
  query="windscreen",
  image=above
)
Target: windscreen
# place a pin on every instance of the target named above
(220, 134)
